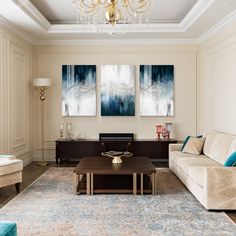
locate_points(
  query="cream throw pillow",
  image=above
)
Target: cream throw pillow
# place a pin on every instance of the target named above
(194, 145)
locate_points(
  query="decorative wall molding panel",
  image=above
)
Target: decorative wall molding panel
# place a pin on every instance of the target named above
(15, 95)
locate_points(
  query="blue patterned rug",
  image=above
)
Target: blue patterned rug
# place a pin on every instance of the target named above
(48, 207)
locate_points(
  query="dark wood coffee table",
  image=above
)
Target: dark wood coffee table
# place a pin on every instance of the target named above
(102, 166)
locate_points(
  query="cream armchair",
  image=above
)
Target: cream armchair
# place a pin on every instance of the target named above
(11, 172)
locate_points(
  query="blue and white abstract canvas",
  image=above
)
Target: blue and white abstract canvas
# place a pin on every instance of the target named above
(157, 90)
(117, 90)
(79, 90)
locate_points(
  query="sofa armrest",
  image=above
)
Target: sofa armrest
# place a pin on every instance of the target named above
(219, 188)
(175, 147)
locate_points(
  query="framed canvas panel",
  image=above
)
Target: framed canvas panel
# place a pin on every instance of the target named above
(117, 90)
(157, 90)
(79, 90)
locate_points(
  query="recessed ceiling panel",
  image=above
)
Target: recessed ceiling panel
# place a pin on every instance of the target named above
(161, 11)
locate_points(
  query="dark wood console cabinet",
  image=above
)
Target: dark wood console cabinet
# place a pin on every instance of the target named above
(74, 150)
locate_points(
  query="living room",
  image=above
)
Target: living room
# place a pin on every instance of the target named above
(48, 133)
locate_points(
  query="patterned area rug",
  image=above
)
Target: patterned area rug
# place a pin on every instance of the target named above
(48, 207)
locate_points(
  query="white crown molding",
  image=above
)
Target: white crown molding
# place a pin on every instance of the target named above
(108, 42)
(198, 9)
(30, 10)
(119, 28)
(217, 27)
(12, 28)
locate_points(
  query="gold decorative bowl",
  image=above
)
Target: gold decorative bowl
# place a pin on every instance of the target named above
(117, 156)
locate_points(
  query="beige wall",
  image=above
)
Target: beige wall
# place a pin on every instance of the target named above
(48, 63)
(217, 83)
(15, 96)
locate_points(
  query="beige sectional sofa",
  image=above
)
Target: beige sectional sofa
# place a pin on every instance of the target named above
(205, 175)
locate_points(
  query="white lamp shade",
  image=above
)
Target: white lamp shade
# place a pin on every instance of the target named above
(42, 82)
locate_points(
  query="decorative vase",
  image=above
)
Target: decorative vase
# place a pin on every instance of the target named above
(158, 131)
(164, 133)
(168, 128)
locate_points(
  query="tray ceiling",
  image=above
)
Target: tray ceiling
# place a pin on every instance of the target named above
(164, 11)
(53, 21)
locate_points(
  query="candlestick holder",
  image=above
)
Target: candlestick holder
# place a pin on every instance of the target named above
(68, 128)
(61, 130)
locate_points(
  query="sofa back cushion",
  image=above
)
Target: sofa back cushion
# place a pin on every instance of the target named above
(217, 146)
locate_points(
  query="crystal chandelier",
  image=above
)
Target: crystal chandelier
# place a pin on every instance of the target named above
(110, 12)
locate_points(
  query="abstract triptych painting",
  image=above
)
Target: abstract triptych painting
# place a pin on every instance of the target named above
(156, 90)
(79, 90)
(117, 90)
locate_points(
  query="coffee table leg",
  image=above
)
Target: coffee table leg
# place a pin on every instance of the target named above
(153, 183)
(75, 182)
(88, 183)
(134, 183)
(141, 183)
(91, 183)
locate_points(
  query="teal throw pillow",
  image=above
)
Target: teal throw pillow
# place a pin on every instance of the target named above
(231, 161)
(187, 139)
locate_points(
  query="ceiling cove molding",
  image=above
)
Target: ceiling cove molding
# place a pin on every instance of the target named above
(12, 28)
(108, 42)
(198, 9)
(30, 10)
(217, 27)
(119, 28)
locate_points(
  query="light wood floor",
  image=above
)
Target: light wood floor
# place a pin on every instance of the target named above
(31, 172)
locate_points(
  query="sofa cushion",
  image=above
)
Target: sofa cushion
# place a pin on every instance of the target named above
(10, 166)
(194, 145)
(187, 139)
(231, 160)
(232, 147)
(8, 228)
(217, 146)
(175, 155)
(194, 167)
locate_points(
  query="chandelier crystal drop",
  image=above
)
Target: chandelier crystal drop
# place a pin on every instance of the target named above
(110, 12)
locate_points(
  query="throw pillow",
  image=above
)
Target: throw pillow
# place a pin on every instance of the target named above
(231, 160)
(187, 139)
(194, 145)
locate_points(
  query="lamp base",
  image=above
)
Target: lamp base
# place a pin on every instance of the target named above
(42, 163)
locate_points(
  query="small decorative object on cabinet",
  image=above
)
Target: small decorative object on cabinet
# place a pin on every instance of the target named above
(159, 129)
(61, 130)
(68, 127)
(164, 133)
(168, 128)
